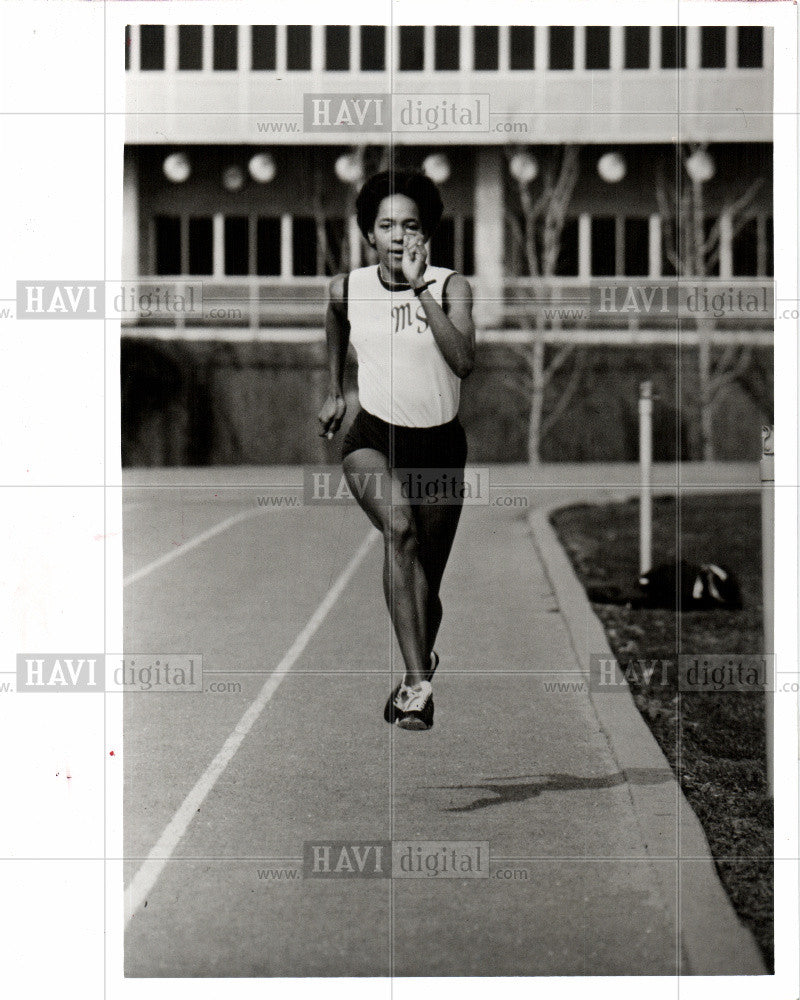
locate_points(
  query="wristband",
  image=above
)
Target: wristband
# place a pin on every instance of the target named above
(421, 288)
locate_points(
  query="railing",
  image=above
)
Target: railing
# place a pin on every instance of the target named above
(228, 302)
(640, 303)
(513, 304)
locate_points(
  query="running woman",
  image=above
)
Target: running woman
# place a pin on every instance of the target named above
(412, 330)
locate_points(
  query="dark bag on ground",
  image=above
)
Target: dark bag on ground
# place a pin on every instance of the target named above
(690, 586)
(685, 586)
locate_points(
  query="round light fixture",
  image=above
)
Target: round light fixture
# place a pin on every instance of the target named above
(523, 167)
(262, 168)
(177, 168)
(348, 168)
(612, 167)
(700, 167)
(233, 178)
(437, 167)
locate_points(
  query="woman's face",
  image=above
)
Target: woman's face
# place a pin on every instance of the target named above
(397, 215)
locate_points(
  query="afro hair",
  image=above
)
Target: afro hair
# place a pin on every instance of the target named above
(414, 185)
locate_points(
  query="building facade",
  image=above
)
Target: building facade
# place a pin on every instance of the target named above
(234, 177)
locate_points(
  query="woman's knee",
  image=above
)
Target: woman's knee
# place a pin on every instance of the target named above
(400, 533)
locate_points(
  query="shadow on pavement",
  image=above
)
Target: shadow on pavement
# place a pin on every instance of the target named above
(524, 790)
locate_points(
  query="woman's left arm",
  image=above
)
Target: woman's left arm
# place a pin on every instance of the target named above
(451, 323)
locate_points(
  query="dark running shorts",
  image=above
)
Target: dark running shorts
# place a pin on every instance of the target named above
(440, 447)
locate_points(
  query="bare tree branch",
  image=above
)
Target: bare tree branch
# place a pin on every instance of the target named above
(516, 227)
(667, 211)
(538, 232)
(558, 360)
(737, 208)
(520, 352)
(723, 377)
(521, 392)
(567, 394)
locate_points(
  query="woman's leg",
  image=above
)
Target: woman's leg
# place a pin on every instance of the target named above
(436, 529)
(404, 579)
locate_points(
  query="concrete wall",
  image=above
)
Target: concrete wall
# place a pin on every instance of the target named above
(213, 403)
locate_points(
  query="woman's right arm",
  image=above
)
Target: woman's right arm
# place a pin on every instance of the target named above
(337, 337)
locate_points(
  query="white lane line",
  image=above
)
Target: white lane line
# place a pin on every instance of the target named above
(192, 543)
(146, 877)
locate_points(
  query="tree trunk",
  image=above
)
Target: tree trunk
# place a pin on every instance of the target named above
(537, 397)
(704, 327)
(706, 402)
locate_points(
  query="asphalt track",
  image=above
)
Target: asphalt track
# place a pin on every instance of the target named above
(223, 789)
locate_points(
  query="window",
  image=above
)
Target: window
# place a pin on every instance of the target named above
(712, 270)
(313, 252)
(752, 248)
(769, 270)
(304, 246)
(226, 43)
(127, 46)
(334, 240)
(712, 48)
(486, 47)
(337, 47)
(673, 47)
(750, 48)
(562, 47)
(567, 263)
(446, 47)
(443, 253)
(168, 244)
(151, 43)
(263, 46)
(453, 244)
(268, 245)
(468, 254)
(668, 248)
(237, 250)
(412, 47)
(190, 46)
(745, 250)
(373, 47)
(516, 262)
(637, 47)
(598, 47)
(201, 257)
(604, 245)
(637, 244)
(298, 46)
(521, 51)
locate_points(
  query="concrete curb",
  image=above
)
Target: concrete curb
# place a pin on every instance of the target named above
(713, 940)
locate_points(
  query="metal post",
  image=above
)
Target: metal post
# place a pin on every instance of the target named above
(768, 589)
(645, 476)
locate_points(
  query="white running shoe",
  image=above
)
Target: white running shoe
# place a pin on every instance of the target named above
(414, 706)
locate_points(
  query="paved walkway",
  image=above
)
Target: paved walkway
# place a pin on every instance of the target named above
(520, 758)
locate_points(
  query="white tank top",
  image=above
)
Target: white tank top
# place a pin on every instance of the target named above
(403, 377)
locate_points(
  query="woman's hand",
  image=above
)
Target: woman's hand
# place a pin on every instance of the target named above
(332, 414)
(415, 258)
